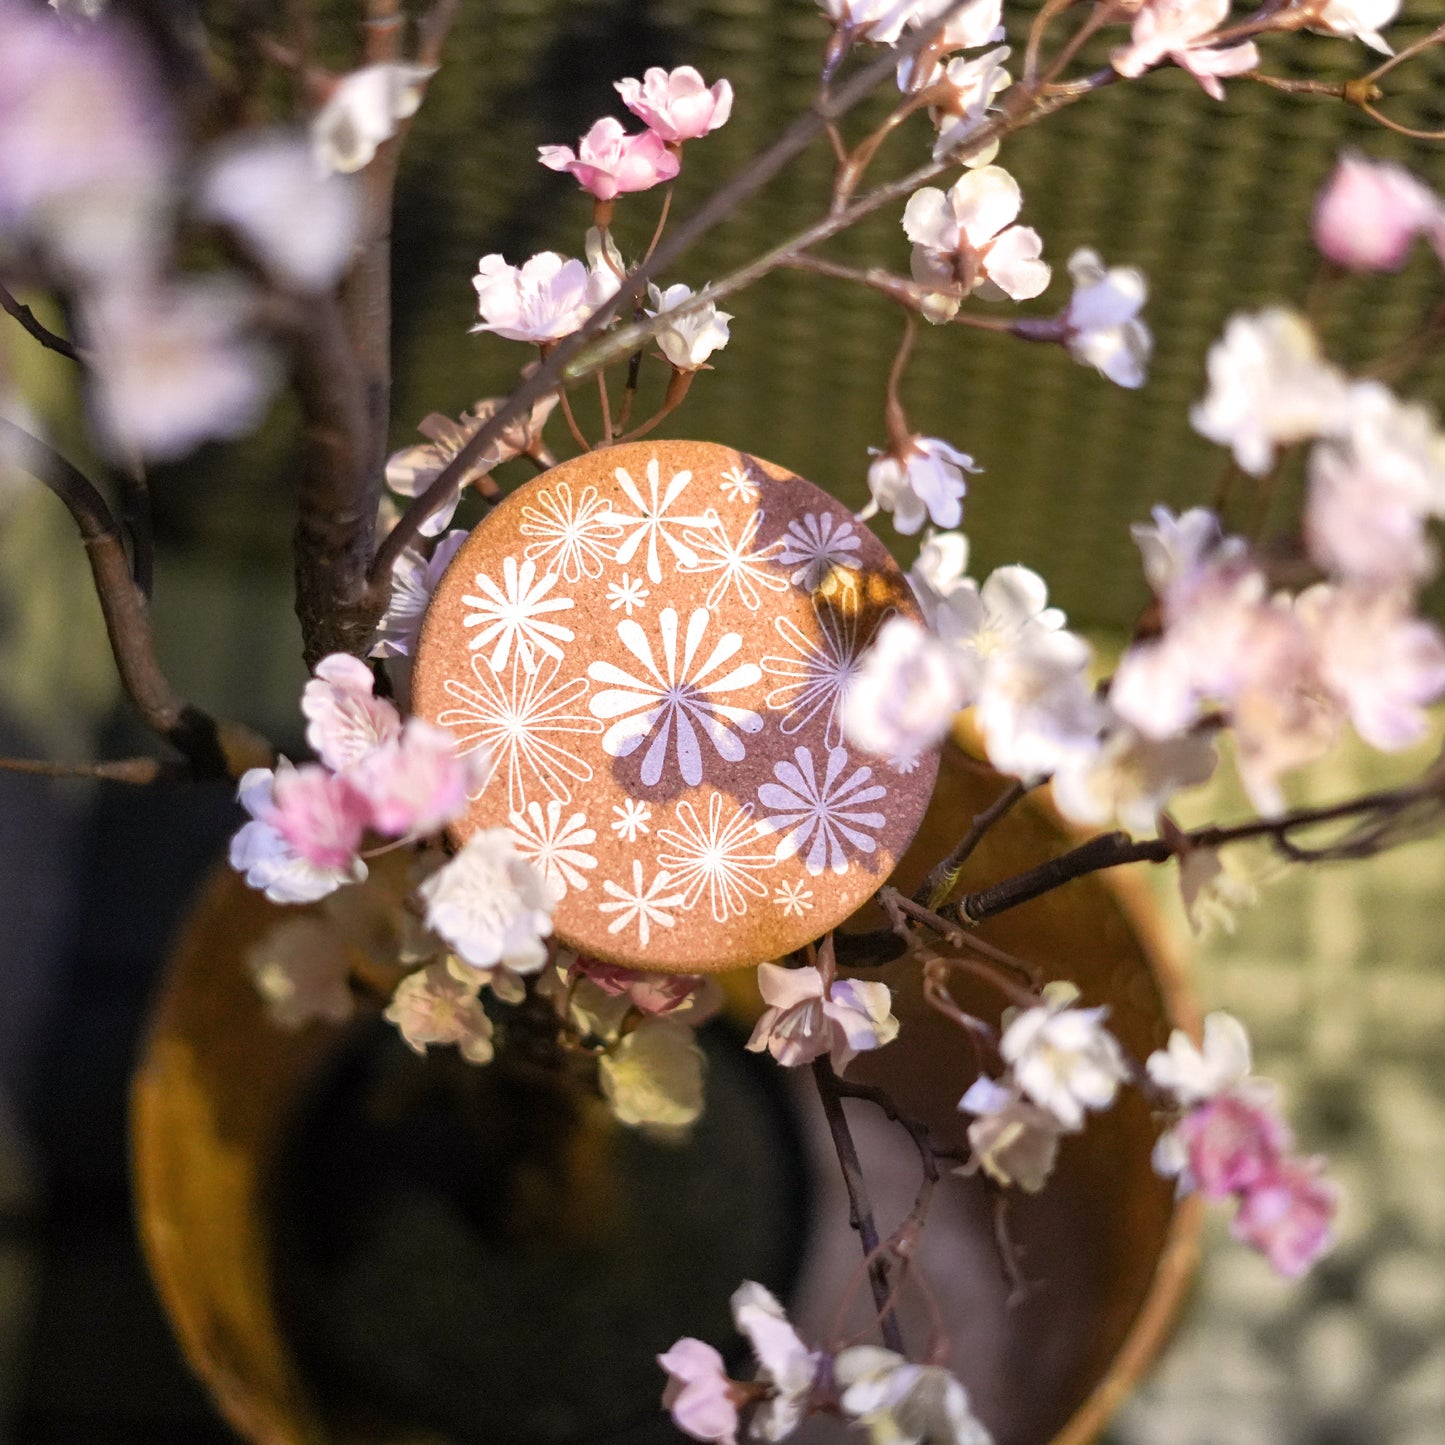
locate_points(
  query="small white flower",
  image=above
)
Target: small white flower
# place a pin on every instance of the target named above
(632, 819)
(543, 300)
(899, 1403)
(490, 904)
(1192, 1074)
(434, 1006)
(1012, 1141)
(1268, 386)
(1357, 19)
(628, 593)
(688, 341)
(1063, 1057)
(1212, 893)
(653, 1077)
(1008, 611)
(364, 110)
(795, 899)
(925, 482)
(784, 1361)
(414, 577)
(1102, 318)
(803, 1022)
(939, 570)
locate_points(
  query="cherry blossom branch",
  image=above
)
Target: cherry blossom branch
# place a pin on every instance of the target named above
(212, 749)
(567, 360)
(860, 1210)
(138, 771)
(944, 874)
(37, 328)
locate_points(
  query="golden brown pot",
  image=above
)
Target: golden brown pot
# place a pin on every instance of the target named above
(217, 1085)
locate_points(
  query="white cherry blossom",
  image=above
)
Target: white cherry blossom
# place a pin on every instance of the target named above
(1269, 386)
(301, 969)
(906, 692)
(364, 110)
(1358, 20)
(965, 240)
(900, 1403)
(784, 1361)
(938, 571)
(717, 854)
(556, 845)
(490, 904)
(1063, 1057)
(972, 87)
(925, 481)
(414, 578)
(545, 299)
(1103, 329)
(433, 1006)
(687, 341)
(1192, 1074)
(513, 616)
(672, 700)
(646, 905)
(825, 815)
(652, 1078)
(803, 1020)
(1007, 611)
(1012, 1141)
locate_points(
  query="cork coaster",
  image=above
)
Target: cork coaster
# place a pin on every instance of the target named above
(652, 643)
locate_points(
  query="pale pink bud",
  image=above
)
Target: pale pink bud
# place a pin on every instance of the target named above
(1369, 213)
(1288, 1215)
(608, 161)
(677, 105)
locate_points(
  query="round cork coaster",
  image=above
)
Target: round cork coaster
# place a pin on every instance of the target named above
(652, 642)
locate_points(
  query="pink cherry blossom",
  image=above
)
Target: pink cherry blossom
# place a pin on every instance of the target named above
(964, 240)
(1229, 1143)
(1181, 31)
(657, 994)
(344, 720)
(1369, 213)
(924, 480)
(416, 783)
(433, 1006)
(320, 814)
(802, 1022)
(1288, 1215)
(543, 300)
(699, 1395)
(609, 162)
(677, 105)
(270, 863)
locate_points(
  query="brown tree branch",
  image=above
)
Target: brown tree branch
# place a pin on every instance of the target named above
(140, 772)
(212, 749)
(944, 874)
(37, 328)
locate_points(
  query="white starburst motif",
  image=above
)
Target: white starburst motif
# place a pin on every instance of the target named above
(904, 766)
(650, 522)
(715, 855)
(632, 818)
(509, 616)
(643, 905)
(817, 544)
(575, 539)
(628, 593)
(674, 699)
(738, 486)
(795, 899)
(519, 719)
(736, 562)
(823, 671)
(821, 814)
(555, 846)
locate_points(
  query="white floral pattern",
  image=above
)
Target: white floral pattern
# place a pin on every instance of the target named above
(650, 523)
(510, 616)
(632, 818)
(672, 701)
(821, 814)
(643, 906)
(822, 672)
(518, 720)
(738, 486)
(628, 592)
(718, 855)
(737, 563)
(795, 899)
(556, 846)
(817, 544)
(575, 538)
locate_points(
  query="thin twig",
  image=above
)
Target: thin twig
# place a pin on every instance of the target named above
(860, 1210)
(935, 889)
(37, 328)
(138, 771)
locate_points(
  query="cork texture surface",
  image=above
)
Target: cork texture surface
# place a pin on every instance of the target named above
(652, 643)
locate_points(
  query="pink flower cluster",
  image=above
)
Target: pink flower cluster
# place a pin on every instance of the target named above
(1230, 1142)
(376, 775)
(675, 107)
(1370, 214)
